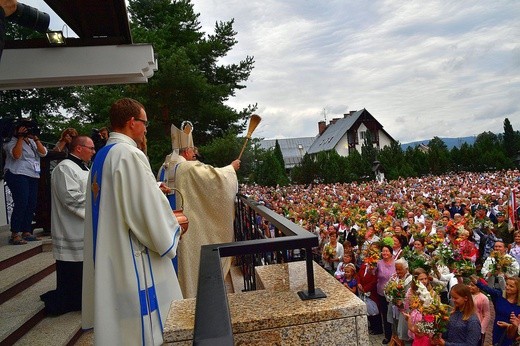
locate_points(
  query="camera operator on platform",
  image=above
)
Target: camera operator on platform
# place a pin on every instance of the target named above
(22, 172)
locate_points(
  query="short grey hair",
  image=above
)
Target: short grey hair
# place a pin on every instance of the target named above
(402, 262)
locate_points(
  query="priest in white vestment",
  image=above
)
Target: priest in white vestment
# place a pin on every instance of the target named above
(208, 194)
(131, 235)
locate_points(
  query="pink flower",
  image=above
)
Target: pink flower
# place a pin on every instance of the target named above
(429, 318)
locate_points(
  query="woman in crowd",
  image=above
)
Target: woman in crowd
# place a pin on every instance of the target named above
(482, 310)
(413, 303)
(22, 172)
(395, 309)
(397, 250)
(463, 326)
(467, 248)
(505, 303)
(367, 284)
(332, 251)
(385, 269)
(66, 138)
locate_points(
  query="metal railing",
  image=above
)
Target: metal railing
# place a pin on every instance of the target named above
(212, 316)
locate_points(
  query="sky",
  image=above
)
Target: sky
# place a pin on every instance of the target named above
(421, 68)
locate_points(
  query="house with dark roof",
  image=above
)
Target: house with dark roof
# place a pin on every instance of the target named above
(341, 134)
(293, 149)
(344, 135)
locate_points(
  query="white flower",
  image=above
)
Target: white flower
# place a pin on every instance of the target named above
(424, 295)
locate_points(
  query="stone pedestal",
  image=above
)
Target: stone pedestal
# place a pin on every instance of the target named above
(275, 315)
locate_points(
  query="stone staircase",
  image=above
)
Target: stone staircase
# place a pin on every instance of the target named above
(26, 272)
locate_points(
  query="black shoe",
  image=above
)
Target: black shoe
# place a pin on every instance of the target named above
(385, 341)
(375, 332)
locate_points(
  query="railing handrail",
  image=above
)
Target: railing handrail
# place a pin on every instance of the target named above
(212, 316)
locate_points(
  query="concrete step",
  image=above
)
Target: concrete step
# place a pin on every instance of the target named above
(20, 276)
(237, 279)
(24, 310)
(86, 339)
(56, 331)
(12, 254)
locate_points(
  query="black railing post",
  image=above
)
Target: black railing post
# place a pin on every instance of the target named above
(212, 316)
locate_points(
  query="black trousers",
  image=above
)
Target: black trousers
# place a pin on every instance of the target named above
(67, 295)
(383, 310)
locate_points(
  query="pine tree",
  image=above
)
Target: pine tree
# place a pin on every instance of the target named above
(511, 140)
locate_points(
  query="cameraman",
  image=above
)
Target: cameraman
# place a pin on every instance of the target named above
(22, 172)
(7, 8)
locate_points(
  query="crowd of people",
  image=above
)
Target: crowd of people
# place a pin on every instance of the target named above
(427, 255)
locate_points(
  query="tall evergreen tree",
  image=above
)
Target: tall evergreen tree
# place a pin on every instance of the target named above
(438, 156)
(190, 84)
(511, 140)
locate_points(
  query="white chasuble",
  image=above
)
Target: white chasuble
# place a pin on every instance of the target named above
(209, 203)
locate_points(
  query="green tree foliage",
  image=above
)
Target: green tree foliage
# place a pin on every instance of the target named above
(306, 171)
(368, 154)
(191, 83)
(270, 172)
(278, 153)
(438, 156)
(511, 140)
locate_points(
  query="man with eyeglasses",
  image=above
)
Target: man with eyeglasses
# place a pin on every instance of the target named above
(68, 191)
(131, 235)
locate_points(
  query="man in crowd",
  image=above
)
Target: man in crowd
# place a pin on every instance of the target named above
(209, 196)
(499, 279)
(68, 192)
(131, 235)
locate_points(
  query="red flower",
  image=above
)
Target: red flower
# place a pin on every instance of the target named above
(429, 318)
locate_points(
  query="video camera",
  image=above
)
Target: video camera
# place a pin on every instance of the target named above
(9, 128)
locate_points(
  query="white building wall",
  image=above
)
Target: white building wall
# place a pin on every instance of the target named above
(384, 140)
(342, 146)
(361, 141)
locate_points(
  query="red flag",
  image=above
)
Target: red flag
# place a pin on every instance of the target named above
(511, 209)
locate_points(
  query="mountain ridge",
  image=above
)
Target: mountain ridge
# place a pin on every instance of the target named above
(450, 142)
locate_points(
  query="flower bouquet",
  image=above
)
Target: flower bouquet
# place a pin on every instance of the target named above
(329, 252)
(416, 260)
(435, 318)
(395, 291)
(444, 255)
(464, 268)
(372, 257)
(433, 242)
(501, 263)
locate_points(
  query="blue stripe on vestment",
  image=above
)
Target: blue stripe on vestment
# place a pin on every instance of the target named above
(141, 302)
(173, 241)
(96, 174)
(154, 304)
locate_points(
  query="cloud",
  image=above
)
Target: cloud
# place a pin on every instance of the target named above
(422, 68)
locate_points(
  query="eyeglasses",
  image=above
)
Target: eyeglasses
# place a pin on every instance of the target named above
(86, 146)
(145, 122)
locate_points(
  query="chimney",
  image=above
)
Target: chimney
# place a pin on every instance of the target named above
(321, 127)
(333, 121)
(352, 112)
